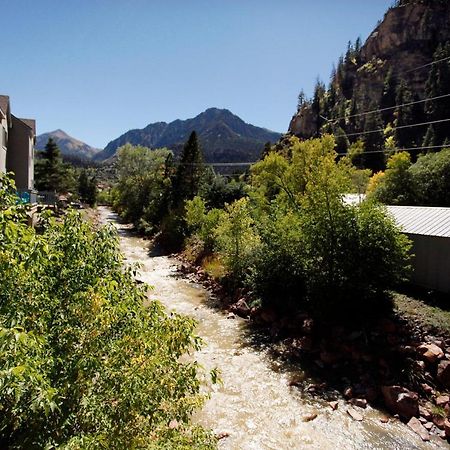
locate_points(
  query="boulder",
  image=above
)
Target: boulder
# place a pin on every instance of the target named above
(355, 415)
(309, 417)
(443, 373)
(430, 352)
(418, 428)
(442, 400)
(401, 401)
(334, 405)
(241, 308)
(360, 402)
(447, 428)
(425, 413)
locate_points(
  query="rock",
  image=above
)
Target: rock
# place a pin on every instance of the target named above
(355, 415)
(268, 315)
(241, 308)
(384, 419)
(442, 400)
(443, 373)
(439, 421)
(348, 393)
(447, 428)
(425, 413)
(388, 326)
(329, 358)
(222, 435)
(428, 425)
(418, 428)
(334, 405)
(231, 316)
(309, 417)
(307, 326)
(173, 424)
(430, 352)
(427, 388)
(360, 402)
(400, 400)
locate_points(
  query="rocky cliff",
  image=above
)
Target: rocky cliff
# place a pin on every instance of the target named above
(412, 34)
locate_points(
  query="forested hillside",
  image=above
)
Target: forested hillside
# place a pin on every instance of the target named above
(392, 92)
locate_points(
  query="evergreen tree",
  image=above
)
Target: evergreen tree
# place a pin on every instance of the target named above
(49, 171)
(404, 116)
(388, 99)
(373, 141)
(189, 172)
(437, 85)
(87, 188)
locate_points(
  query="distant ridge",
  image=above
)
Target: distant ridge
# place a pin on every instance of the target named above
(68, 145)
(223, 136)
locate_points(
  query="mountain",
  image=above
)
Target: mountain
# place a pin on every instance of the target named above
(223, 136)
(68, 145)
(405, 60)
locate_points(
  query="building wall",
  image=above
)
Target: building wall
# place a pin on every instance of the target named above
(3, 143)
(19, 157)
(431, 263)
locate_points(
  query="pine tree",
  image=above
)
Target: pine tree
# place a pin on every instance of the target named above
(437, 85)
(389, 96)
(373, 141)
(49, 172)
(189, 172)
(403, 116)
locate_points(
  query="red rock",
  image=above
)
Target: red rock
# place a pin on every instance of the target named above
(355, 415)
(430, 352)
(443, 373)
(241, 308)
(387, 326)
(348, 393)
(401, 401)
(360, 402)
(418, 428)
(447, 428)
(307, 326)
(222, 435)
(439, 421)
(334, 405)
(427, 388)
(425, 413)
(428, 425)
(442, 400)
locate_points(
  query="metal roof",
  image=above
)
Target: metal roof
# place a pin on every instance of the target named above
(424, 220)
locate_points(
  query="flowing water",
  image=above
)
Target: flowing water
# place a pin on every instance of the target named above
(255, 404)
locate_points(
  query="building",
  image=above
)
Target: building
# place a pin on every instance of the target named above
(17, 139)
(429, 230)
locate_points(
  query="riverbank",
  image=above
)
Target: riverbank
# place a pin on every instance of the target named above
(258, 405)
(401, 363)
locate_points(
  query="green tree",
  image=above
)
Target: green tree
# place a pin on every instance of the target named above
(87, 188)
(84, 364)
(373, 156)
(49, 174)
(437, 85)
(404, 116)
(189, 172)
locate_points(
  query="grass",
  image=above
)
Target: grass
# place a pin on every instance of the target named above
(433, 316)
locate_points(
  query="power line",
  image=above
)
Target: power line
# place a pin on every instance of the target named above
(429, 64)
(393, 128)
(386, 109)
(387, 150)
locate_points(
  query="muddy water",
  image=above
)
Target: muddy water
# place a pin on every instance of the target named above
(255, 404)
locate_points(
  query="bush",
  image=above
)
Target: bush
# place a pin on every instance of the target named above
(83, 363)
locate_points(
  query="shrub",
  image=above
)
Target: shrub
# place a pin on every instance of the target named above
(83, 363)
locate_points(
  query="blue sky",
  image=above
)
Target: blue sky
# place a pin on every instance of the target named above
(96, 68)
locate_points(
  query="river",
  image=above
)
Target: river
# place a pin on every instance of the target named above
(255, 404)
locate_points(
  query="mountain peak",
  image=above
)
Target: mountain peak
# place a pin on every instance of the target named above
(224, 137)
(68, 145)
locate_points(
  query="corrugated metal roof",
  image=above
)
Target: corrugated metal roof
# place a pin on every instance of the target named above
(424, 220)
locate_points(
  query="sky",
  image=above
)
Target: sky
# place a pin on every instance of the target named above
(97, 68)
